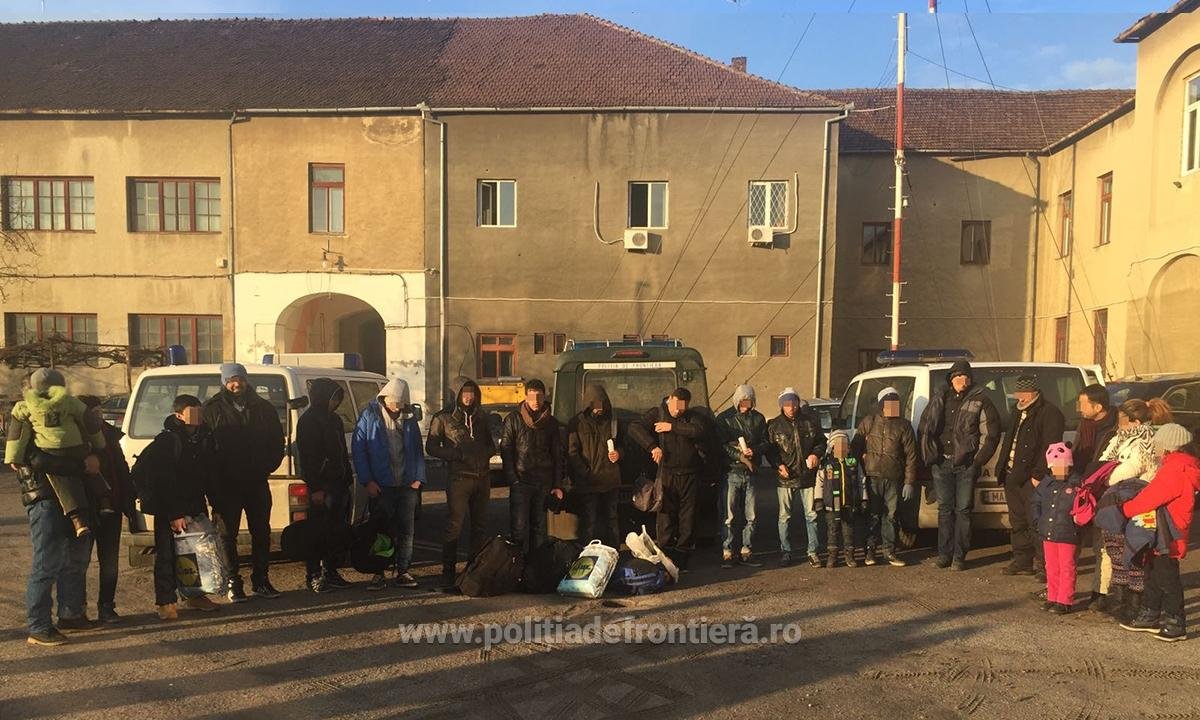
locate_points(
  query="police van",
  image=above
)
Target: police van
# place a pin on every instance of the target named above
(284, 381)
(918, 374)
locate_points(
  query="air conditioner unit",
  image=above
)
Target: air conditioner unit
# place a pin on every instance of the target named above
(760, 235)
(637, 240)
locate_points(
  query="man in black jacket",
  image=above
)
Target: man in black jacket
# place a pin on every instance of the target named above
(531, 448)
(593, 451)
(1037, 424)
(115, 471)
(795, 447)
(958, 434)
(742, 431)
(249, 440)
(325, 469)
(673, 435)
(1097, 426)
(182, 461)
(888, 448)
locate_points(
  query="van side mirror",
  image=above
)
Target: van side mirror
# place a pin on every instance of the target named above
(298, 403)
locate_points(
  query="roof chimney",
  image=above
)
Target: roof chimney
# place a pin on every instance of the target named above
(738, 63)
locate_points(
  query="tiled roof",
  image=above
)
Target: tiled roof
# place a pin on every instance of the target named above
(971, 121)
(1148, 24)
(224, 65)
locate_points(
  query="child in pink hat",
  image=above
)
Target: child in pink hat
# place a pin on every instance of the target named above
(1052, 502)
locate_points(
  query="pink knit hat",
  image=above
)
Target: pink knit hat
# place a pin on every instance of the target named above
(1060, 452)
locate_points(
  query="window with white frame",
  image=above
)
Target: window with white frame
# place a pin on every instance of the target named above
(768, 203)
(1191, 126)
(648, 205)
(497, 203)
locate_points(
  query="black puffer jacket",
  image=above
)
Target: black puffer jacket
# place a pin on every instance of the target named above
(791, 441)
(249, 442)
(976, 428)
(587, 445)
(532, 454)
(888, 447)
(1043, 426)
(321, 441)
(461, 435)
(682, 447)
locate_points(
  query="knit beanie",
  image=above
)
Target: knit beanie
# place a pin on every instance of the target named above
(838, 435)
(45, 378)
(1171, 437)
(231, 370)
(789, 393)
(888, 393)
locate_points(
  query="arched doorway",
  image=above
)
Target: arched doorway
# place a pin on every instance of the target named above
(331, 322)
(1171, 302)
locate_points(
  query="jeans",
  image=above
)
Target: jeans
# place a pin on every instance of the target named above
(59, 560)
(786, 498)
(677, 518)
(839, 531)
(527, 514)
(598, 517)
(1060, 572)
(883, 496)
(1022, 535)
(956, 500)
(254, 499)
(737, 493)
(108, 555)
(1164, 590)
(400, 505)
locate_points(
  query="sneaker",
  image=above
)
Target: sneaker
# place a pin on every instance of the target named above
(1173, 629)
(1015, 568)
(168, 612)
(814, 561)
(748, 559)
(958, 564)
(785, 559)
(79, 623)
(405, 580)
(108, 615)
(264, 589)
(202, 603)
(890, 557)
(48, 638)
(335, 580)
(850, 561)
(377, 583)
(942, 562)
(869, 556)
(318, 584)
(1060, 609)
(235, 593)
(1146, 621)
(727, 559)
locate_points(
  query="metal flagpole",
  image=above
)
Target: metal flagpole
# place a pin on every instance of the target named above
(898, 213)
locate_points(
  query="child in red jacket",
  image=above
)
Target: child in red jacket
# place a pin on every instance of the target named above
(1174, 488)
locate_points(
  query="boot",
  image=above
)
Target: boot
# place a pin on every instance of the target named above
(1133, 605)
(449, 565)
(1116, 601)
(830, 559)
(1173, 629)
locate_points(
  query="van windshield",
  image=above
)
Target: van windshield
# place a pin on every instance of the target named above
(156, 395)
(1060, 386)
(633, 392)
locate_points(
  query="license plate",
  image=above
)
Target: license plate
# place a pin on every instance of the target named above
(994, 497)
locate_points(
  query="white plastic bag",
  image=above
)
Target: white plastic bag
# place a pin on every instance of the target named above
(643, 546)
(200, 565)
(589, 574)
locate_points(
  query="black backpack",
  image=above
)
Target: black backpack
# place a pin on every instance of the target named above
(495, 569)
(148, 464)
(547, 565)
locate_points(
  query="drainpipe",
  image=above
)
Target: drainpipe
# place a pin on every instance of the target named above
(1031, 303)
(443, 286)
(822, 239)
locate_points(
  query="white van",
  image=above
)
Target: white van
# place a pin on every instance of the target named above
(284, 385)
(1060, 384)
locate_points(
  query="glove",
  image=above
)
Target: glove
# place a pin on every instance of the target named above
(907, 492)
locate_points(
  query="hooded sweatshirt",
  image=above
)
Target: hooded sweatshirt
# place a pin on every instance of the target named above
(321, 441)
(58, 421)
(588, 436)
(733, 424)
(461, 435)
(964, 427)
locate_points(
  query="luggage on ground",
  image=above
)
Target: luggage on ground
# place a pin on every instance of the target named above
(643, 546)
(589, 574)
(547, 565)
(635, 576)
(494, 570)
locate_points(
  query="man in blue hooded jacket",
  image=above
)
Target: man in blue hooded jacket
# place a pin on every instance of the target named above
(389, 463)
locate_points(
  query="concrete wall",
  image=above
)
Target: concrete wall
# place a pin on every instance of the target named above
(947, 304)
(702, 282)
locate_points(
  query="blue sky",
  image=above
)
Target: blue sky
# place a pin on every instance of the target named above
(1025, 44)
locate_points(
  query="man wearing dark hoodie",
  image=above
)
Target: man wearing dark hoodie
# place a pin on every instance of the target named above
(958, 434)
(250, 446)
(461, 436)
(325, 469)
(532, 452)
(742, 431)
(673, 434)
(888, 447)
(390, 465)
(594, 451)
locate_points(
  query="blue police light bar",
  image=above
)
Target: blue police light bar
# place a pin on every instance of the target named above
(595, 344)
(906, 357)
(345, 361)
(177, 355)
